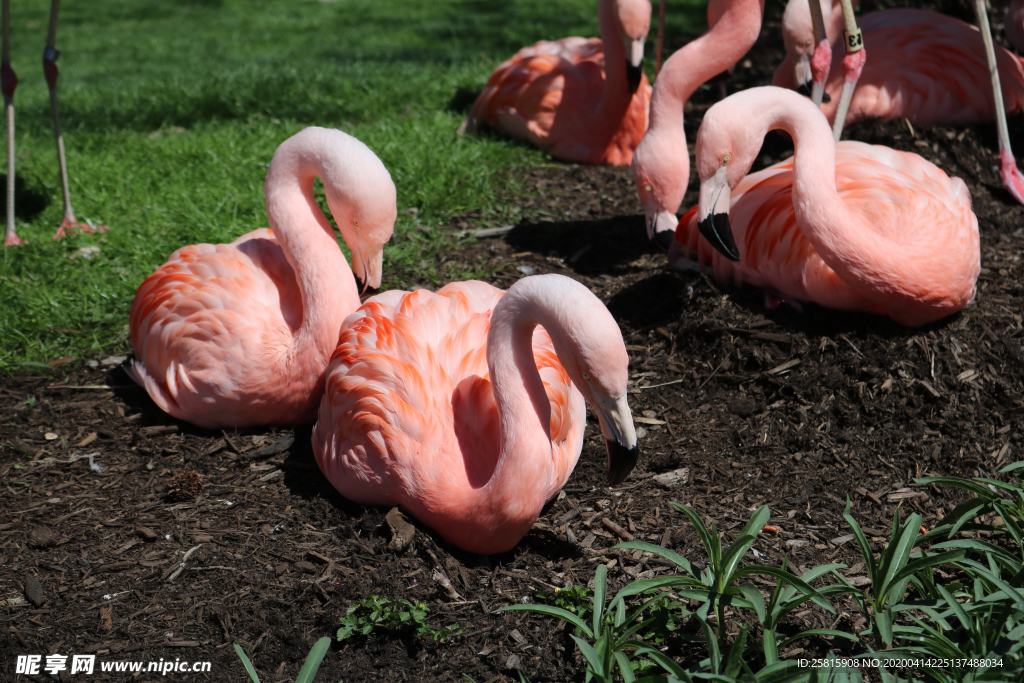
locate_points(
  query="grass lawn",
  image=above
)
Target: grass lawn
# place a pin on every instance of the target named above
(171, 112)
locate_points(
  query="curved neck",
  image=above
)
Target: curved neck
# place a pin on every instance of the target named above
(325, 280)
(521, 478)
(724, 44)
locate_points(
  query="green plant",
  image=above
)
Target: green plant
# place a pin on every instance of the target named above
(309, 667)
(890, 572)
(714, 586)
(610, 631)
(785, 599)
(397, 616)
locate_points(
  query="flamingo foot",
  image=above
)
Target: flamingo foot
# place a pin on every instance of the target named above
(12, 241)
(1010, 174)
(773, 298)
(70, 225)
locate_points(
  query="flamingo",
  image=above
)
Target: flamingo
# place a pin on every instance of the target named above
(8, 82)
(926, 67)
(466, 406)
(577, 99)
(661, 163)
(236, 335)
(846, 225)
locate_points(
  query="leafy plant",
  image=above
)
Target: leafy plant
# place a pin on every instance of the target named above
(785, 599)
(380, 612)
(890, 572)
(610, 631)
(309, 667)
(714, 586)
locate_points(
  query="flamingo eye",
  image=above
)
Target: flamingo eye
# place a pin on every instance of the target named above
(726, 159)
(647, 188)
(355, 224)
(586, 377)
(808, 42)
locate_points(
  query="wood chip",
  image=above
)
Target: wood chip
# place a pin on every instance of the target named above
(147, 534)
(34, 591)
(273, 449)
(788, 365)
(616, 529)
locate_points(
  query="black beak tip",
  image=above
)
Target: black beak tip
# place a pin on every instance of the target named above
(717, 232)
(633, 76)
(804, 88)
(621, 461)
(664, 239)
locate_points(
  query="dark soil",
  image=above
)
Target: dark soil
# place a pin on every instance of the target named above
(796, 411)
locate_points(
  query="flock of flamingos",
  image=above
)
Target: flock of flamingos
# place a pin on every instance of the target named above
(465, 406)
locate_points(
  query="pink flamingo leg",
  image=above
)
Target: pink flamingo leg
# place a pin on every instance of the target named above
(821, 60)
(853, 65)
(8, 82)
(1007, 165)
(50, 55)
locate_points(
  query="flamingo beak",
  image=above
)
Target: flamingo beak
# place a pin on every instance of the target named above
(368, 269)
(713, 214)
(661, 224)
(619, 437)
(634, 62)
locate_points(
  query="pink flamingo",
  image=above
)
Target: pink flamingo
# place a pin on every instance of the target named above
(577, 99)
(8, 82)
(236, 335)
(661, 163)
(457, 406)
(846, 225)
(926, 67)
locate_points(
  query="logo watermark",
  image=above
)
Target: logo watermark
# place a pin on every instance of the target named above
(34, 665)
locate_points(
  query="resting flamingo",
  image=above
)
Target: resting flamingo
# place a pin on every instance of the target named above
(577, 99)
(846, 225)
(466, 406)
(236, 335)
(926, 67)
(661, 164)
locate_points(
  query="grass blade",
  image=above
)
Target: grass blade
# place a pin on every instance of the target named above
(313, 659)
(247, 664)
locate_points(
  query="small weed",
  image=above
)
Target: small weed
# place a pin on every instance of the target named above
(377, 612)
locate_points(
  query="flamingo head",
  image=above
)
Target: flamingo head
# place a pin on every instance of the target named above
(366, 217)
(726, 149)
(634, 21)
(661, 177)
(798, 38)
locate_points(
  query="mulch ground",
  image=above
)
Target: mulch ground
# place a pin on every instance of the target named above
(798, 411)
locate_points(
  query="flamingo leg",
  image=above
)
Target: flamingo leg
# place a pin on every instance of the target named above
(50, 55)
(1007, 164)
(853, 64)
(821, 60)
(8, 82)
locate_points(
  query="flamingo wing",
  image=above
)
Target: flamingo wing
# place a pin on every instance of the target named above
(198, 321)
(408, 415)
(897, 194)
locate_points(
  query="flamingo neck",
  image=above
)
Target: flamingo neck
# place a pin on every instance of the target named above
(732, 35)
(615, 97)
(521, 482)
(325, 280)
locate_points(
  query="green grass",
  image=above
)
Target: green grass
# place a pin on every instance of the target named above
(171, 112)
